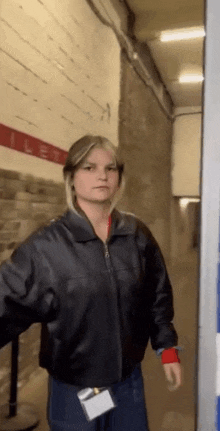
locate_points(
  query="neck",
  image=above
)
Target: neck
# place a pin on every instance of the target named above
(97, 213)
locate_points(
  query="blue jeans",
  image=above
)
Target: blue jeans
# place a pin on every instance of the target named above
(65, 412)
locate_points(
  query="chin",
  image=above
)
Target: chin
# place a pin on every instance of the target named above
(102, 201)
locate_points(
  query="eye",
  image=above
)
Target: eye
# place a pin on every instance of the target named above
(88, 168)
(112, 168)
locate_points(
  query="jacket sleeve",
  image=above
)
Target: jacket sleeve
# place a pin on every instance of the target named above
(23, 297)
(162, 331)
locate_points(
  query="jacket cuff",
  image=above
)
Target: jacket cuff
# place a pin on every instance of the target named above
(159, 351)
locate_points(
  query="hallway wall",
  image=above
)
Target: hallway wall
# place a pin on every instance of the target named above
(185, 220)
(60, 77)
(26, 203)
(145, 143)
(186, 154)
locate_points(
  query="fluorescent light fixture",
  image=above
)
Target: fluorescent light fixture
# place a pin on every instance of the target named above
(187, 33)
(191, 78)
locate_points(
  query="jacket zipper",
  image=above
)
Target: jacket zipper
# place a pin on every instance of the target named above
(107, 257)
(108, 264)
(106, 250)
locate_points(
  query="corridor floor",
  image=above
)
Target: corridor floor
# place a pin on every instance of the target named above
(167, 411)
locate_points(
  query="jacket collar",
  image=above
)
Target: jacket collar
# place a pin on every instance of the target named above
(82, 229)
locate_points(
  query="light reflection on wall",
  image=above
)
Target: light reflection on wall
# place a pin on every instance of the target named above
(185, 201)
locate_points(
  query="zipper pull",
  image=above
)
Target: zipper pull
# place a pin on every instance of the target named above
(106, 251)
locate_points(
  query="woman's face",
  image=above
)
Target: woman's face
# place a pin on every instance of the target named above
(97, 178)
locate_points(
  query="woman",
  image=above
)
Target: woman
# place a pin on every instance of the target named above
(96, 280)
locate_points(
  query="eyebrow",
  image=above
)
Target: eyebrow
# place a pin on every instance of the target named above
(94, 164)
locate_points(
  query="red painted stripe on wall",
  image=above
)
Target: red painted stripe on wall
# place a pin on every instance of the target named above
(27, 144)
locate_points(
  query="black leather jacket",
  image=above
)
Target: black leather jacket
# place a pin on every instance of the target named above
(98, 304)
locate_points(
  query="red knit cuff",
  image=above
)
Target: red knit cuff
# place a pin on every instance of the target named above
(170, 355)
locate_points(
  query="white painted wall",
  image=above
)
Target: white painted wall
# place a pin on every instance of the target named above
(60, 76)
(186, 152)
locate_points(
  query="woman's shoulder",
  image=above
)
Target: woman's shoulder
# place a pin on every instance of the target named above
(46, 232)
(136, 223)
(144, 237)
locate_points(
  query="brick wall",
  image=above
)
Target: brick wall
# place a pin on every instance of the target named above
(145, 142)
(26, 203)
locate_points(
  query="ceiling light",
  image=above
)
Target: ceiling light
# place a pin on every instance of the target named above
(190, 33)
(191, 78)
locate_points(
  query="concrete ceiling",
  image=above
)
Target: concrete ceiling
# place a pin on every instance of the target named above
(176, 57)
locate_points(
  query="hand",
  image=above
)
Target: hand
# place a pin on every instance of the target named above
(173, 373)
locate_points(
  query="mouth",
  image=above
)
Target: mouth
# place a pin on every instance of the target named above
(101, 187)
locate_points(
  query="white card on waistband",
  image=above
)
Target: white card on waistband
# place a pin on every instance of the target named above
(96, 405)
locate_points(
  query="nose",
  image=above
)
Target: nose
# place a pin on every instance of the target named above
(102, 174)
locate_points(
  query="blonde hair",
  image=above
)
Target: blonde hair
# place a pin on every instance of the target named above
(77, 154)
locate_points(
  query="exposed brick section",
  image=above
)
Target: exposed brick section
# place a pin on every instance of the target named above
(145, 140)
(26, 203)
(9, 174)
(3, 247)
(5, 236)
(10, 225)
